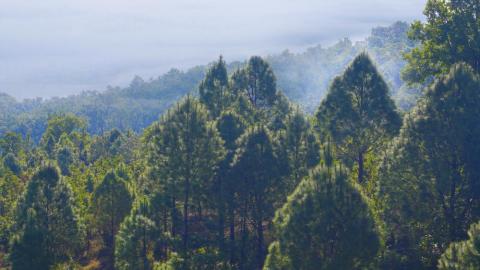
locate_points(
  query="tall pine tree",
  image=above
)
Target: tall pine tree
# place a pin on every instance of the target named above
(257, 82)
(358, 112)
(214, 88)
(255, 168)
(112, 202)
(429, 179)
(135, 240)
(325, 224)
(183, 153)
(230, 126)
(299, 147)
(48, 229)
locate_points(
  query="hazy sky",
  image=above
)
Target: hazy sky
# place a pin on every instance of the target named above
(60, 47)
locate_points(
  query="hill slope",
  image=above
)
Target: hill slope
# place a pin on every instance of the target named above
(303, 77)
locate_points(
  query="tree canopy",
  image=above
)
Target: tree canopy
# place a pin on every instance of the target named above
(450, 34)
(325, 224)
(358, 113)
(48, 230)
(235, 175)
(430, 176)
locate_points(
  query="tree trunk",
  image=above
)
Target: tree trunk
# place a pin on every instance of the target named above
(260, 240)
(260, 245)
(221, 227)
(360, 167)
(185, 216)
(244, 233)
(232, 235)
(144, 249)
(174, 217)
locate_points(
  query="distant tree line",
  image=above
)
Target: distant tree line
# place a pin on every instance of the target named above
(239, 177)
(303, 78)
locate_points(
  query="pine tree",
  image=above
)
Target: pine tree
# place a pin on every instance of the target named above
(47, 227)
(255, 168)
(214, 88)
(135, 240)
(278, 112)
(245, 109)
(257, 82)
(300, 147)
(429, 179)
(358, 112)
(230, 126)
(184, 151)
(325, 224)
(112, 202)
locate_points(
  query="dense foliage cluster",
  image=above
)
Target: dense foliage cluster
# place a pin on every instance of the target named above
(235, 176)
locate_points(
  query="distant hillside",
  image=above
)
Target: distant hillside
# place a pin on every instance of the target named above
(303, 77)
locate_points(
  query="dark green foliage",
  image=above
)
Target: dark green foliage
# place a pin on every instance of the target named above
(245, 109)
(463, 255)
(59, 125)
(275, 116)
(114, 144)
(202, 190)
(213, 89)
(10, 143)
(257, 82)
(184, 151)
(358, 113)
(135, 241)
(131, 108)
(112, 202)
(132, 243)
(47, 228)
(65, 140)
(255, 169)
(90, 185)
(429, 179)
(325, 224)
(10, 187)
(230, 126)
(300, 149)
(11, 163)
(450, 34)
(49, 147)
(65, 159)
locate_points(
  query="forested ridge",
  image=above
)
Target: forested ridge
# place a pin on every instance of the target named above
(255, 166)
(303, 77)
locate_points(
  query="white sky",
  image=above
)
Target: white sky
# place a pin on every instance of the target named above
(60, 47)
